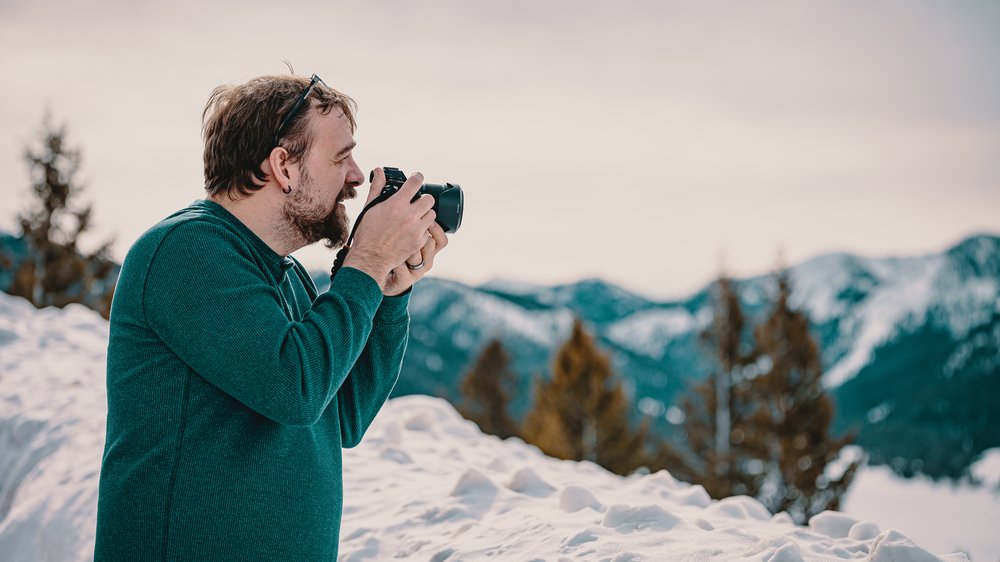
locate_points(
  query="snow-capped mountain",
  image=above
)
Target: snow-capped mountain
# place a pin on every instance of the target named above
(910, 342)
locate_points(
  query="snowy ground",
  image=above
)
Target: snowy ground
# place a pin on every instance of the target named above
(945, 517)
(427, 485)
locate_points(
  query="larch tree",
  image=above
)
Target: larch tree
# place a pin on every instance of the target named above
(793, 418)
(582, 412)
(487, 389)
(717, 415)
(760, 424)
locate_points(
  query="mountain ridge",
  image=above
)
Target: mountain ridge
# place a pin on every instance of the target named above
(857, 305)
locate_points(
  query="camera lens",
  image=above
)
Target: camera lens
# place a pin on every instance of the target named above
(448, 203)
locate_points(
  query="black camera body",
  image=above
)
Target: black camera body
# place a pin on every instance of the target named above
(449, 199)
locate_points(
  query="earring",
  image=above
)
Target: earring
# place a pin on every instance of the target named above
(287, 190)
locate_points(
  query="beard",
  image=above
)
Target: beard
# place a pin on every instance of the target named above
(307, 214)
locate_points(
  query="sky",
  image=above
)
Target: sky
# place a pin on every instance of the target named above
(651, 144)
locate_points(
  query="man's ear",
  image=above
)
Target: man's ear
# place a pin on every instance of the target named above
(276, 167)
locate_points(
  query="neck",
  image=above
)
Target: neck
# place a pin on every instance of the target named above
(261, 213)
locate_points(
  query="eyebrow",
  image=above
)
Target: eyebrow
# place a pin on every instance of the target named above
(346, 149)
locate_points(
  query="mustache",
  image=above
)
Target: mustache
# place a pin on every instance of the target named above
(349, 192)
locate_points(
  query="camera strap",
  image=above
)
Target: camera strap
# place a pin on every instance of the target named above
(338, 262)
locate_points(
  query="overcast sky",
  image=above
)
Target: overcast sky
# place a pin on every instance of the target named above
(640, 142)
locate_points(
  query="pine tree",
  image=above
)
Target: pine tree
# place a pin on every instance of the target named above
(717, 415)
(487, 389)
(582, 413)
(778, 415)
(793, 418)
(57, 272)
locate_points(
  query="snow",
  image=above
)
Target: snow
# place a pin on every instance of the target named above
(477, 316)
(833, 524)
(649, 332)
(424, 483)
(965, 350)
(987, 468)
(894, 295)
(52, 419)
(512, 287)
(901, 303)
(946, 517)
(900, 294)
(818, 282)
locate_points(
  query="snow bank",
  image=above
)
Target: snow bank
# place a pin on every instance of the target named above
(424, 484)
(52, 419)
(462, 495)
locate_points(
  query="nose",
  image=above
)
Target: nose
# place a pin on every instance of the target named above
(355, 176)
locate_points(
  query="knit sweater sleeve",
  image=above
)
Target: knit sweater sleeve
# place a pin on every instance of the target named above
(374, 375)
(212, 303)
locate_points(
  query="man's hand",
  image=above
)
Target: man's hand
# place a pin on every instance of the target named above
(394, 231)
(403, 277)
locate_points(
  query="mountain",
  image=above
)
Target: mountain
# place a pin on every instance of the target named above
(925, 395)
(910, 345)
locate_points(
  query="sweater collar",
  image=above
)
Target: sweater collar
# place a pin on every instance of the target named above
(277, 264)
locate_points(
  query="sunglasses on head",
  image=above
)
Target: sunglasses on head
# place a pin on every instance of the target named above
(299, 101)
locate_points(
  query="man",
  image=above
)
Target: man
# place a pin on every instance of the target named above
(232, 385)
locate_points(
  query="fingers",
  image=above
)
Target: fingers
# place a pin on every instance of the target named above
(438, 235)
(411, 186)
(423, 209)
(407, 192)
(377, 183)
(428, 252)
(436, 241)
(402, 276)
(427, 219)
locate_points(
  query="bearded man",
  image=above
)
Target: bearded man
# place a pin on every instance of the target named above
(232, 383)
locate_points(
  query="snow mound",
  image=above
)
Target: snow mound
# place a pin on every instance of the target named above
(575, 498)
(473, 482)
(740, 507)
(695, 496)
(627, 518)
(832, 524)
(527, 482)
(424, 483)
(787, 552)
(864, 530)
(892, 546)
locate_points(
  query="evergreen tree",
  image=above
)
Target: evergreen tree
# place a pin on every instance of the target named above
(582, 413)
(793, 418)
(716, 428)
(770, 438)
(57, 272)
(487, 390)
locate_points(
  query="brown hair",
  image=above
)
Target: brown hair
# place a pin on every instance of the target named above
(239, 124)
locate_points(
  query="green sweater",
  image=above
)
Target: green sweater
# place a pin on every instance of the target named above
(232, 388)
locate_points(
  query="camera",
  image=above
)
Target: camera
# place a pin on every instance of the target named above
(448, 198)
